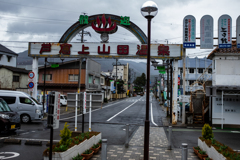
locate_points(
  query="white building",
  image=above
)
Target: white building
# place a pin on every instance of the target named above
(225, 86)
(7, 57)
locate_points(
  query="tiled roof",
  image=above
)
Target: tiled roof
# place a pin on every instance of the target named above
(6, 50)
(234, 49)
(14, 69)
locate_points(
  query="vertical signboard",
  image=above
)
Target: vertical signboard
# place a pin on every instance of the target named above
(56, 111)
(206, 32)
(225, 32)
(189, 32)
(238, 32)
(112, 85)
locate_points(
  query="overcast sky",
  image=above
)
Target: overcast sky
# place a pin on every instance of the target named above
(47, 20)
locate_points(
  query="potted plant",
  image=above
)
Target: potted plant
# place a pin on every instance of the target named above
(202, 154)
(100, 143)
(87, 154)
(78, 157)
(196, 149)
(95, 148)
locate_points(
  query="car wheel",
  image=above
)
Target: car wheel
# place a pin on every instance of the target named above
(25, 118)
(61, 105)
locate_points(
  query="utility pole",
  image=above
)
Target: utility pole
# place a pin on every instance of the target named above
(116, 77)
(171, 72)
(168, 87)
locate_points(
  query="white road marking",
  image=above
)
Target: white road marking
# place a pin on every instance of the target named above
(123, 110)
(88, 112)
(15, 154)
(152, 116)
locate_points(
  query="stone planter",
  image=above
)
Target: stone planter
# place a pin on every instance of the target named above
(211, 151)
(75, 150)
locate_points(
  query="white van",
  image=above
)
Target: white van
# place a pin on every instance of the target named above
(63, 100)
(26, 106)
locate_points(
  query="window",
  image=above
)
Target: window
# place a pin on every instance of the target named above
(9, 58)
(90, 79)
(214, 64)
(191, 82)
(191, 70)
(73, 77)
(15, 78)
(48, 77)
(9, 100)
(25, 100)
(101, 80)
(200, 70)
(210, 71)
(96, 80)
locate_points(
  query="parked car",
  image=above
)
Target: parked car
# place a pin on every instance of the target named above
(63, 100)
(26, 106)
(9, 120)
(141, 94)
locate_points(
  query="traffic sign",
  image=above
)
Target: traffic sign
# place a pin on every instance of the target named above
(30, 85)
(31, 74)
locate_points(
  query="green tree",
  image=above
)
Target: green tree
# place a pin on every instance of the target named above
(140, 81)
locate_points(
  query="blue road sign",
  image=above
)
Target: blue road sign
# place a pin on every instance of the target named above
(30, 85)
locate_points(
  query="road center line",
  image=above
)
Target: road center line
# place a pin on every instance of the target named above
(152, 116)
(124, 109)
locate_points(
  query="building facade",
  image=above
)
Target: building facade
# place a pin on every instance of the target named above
(225, 89)
(7, 57)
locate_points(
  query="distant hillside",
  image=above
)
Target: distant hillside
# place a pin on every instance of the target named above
(106, 64)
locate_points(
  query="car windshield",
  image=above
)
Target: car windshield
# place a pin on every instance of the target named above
(65, 97)
(4, 106)
(35, 100)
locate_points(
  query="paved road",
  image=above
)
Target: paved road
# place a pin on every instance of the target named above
(110, 120)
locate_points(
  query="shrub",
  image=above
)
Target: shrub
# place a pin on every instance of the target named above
(95, 146)
(207, 131)
(65, 136)
(61, 148)
(88, 151)
(78, 157)
(197, 148)
(202, 152)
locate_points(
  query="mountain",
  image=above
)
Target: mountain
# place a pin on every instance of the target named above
(106, 64)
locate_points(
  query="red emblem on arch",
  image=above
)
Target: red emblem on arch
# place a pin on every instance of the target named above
(102, 25)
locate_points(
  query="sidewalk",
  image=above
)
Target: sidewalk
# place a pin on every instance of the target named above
(157, 148)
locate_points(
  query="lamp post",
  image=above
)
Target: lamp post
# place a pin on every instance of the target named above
(149, 10)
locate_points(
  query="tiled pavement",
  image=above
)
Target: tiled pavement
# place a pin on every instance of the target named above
(157, 148)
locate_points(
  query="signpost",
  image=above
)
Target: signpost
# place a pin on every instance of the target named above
(31, 75)
(238, 32)
(206, 32)
(225, 31)
(189, 32)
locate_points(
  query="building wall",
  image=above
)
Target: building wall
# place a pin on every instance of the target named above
(125, 77)
(93, 70)
(226, 67)
(6, 78)
(231, 109)
(4, 60)
(62, 75)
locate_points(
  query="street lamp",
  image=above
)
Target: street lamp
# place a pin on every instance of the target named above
(149, 10)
